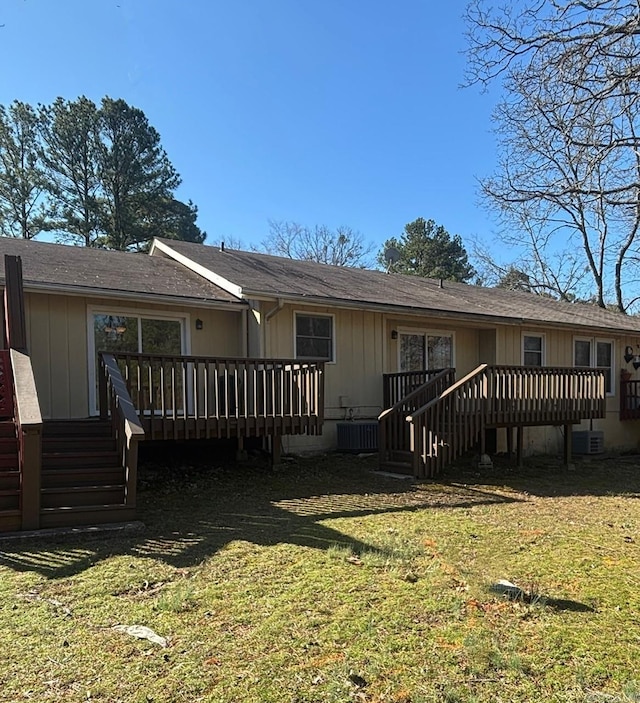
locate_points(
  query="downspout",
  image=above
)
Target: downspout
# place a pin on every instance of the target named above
(268, 316)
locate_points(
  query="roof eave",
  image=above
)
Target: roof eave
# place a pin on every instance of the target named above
(89, 292)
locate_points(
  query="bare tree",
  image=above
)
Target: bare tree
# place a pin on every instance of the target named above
(569, 170)
(340, 247)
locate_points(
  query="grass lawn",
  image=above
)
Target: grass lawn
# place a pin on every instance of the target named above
(325, 582)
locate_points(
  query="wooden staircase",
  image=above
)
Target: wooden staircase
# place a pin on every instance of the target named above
(10, 503)
(440, 421)
(83, 481)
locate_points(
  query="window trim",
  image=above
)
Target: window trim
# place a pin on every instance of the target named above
(543, 351)
(306, 313)
(593, 357)
(185, 337)
(427, 332)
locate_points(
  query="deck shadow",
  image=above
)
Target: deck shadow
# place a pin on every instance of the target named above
(192, 510)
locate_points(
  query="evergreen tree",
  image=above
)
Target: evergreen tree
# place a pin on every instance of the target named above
(71, 137)
(429, 251)
(135, 174)
(22, 180)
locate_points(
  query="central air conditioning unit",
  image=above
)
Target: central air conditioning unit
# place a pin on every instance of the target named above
(587, 442)
(357, 436)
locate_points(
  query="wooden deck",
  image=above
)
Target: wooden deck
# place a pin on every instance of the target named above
(192, 397)
(454, 419)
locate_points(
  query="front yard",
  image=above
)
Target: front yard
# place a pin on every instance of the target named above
(324, 582)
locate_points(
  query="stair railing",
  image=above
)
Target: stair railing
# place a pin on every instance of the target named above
(28, 419)
(448, 425)
(501, 396)
(393, 430)
(116, 402)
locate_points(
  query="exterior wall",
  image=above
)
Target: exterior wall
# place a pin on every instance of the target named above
(618, 435)
(58, 343)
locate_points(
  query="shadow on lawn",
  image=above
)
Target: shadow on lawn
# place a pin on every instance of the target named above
(191, 510)
(546, 476)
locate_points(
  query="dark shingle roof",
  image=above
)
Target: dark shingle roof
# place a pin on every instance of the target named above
(262, 274)
(101, 272)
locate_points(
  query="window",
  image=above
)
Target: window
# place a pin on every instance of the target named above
(533, 350)
(115, 332)
(314, 337)
(595, 353)
(418, 351)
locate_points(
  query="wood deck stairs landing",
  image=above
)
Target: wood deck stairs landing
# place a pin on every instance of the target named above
(10, 512)
(83, 481)
(441, 420)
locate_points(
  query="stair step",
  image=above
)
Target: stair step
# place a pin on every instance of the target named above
(8, 444)
(81, 476)
(85, 515)
(82, 496)
(9, 500)
(7, 429)
(10, 520)
(52, 460)
(78, 444)
(9, 461)
(76, 428)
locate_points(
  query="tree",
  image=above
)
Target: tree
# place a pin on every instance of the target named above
(97, 176)
(340, 247)
(428, 250)
(171, 219)
(71, 137)
(135, 174)
(568, 179)
(22, 179)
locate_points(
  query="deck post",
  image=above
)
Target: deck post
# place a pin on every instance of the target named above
(31, 470)
(519, 443)
(241, 452)
(509, 431)
(276, 449)
(567, 446)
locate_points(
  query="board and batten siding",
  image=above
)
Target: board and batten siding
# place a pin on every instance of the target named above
(57, 337)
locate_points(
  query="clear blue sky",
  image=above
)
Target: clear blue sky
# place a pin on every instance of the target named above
(336, 112)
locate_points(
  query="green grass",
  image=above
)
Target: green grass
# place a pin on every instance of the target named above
(324, 582)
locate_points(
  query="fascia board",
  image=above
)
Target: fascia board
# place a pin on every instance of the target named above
(130, 295)
(203, 271)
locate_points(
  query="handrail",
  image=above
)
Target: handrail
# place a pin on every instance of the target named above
(414, 394)
(206, 396)
(393, 431)
(501, 396)
(394, 385)
(127, 428)
(447, 392)
(29, 430)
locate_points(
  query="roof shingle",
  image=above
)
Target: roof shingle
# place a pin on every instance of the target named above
(263, 274)
(86, 269)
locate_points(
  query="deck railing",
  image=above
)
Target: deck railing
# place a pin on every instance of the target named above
(393, 429)
(501, 396)
(629, 400)
(115, 402)
(193, 396)
(396, 386)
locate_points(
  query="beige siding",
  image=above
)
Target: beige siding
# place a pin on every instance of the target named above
(57, 335)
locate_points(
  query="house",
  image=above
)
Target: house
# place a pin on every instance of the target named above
(199, 341)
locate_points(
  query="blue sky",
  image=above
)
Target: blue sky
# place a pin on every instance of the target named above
(333, 112)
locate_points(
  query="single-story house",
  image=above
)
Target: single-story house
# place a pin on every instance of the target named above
(210, 342)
